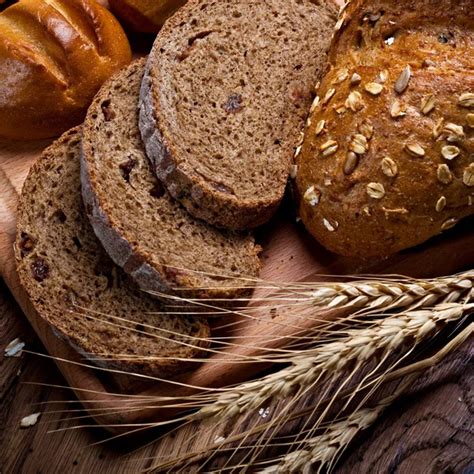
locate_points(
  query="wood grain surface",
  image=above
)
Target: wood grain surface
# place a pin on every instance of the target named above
(289, 255)
(430, 430)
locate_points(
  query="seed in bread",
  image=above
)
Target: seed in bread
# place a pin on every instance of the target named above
(142, 228)
(77, 289)
(227, 90)
(412, 179)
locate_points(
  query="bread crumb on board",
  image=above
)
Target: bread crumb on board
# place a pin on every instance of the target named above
(29, 420)
(14, 348)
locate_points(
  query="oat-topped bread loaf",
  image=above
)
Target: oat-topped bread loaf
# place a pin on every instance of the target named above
(388, 155)
(227, 89)
(77, 289)
(142, 228)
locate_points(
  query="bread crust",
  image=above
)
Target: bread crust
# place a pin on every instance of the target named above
(67, 303)
(127, 248)
(54, 56)
(206, 198)
(387, 158)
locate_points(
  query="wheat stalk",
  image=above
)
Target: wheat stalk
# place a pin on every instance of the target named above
(369, 339)
(362, 292)
(384, 336)
(414, 370)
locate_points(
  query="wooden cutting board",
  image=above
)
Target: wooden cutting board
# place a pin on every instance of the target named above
(289, 255)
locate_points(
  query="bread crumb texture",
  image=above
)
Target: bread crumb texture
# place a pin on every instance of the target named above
(77, 289)
(227, 91)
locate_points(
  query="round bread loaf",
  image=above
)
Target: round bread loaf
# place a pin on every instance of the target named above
(143, 229)
(77, 289)
(54, 56)
(388, 155)
(146, 16)
(225, 95)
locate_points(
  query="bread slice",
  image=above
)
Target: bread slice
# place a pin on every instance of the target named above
(77, 289)
(227, 89)
(142, 228)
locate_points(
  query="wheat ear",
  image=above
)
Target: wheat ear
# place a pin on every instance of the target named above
(389, 294)
(326, 448)
(382, 337)
(411, 370)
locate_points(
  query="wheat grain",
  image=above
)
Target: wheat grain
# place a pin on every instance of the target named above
(382, 337)
(367, 295)
(418, 367)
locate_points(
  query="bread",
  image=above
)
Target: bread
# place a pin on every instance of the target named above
(227, 88)
(77, 289)
(54, 56)
(145, 16)
(142, 228)
(388, 155)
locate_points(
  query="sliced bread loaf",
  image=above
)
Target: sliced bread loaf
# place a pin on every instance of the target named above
(227, 89)
(142, 228)
(78, 290)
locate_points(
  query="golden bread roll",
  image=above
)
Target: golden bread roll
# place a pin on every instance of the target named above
(146, 16)
(54, 56)
(388, 154)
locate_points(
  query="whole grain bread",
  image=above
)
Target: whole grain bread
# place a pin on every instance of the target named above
(77, 289)
(142, 228)
(388, 155)
(227, 89)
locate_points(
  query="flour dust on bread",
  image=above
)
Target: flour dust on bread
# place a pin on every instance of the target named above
(142, 228)
(227, 89)
(77, 289)
(388, 155)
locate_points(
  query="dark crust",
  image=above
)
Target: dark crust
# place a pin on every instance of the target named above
(161, 368)
(199, 197)
(158, 279)
(125, 377)
(127, 374)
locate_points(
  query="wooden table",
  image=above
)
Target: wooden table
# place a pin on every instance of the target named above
(429, 430)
